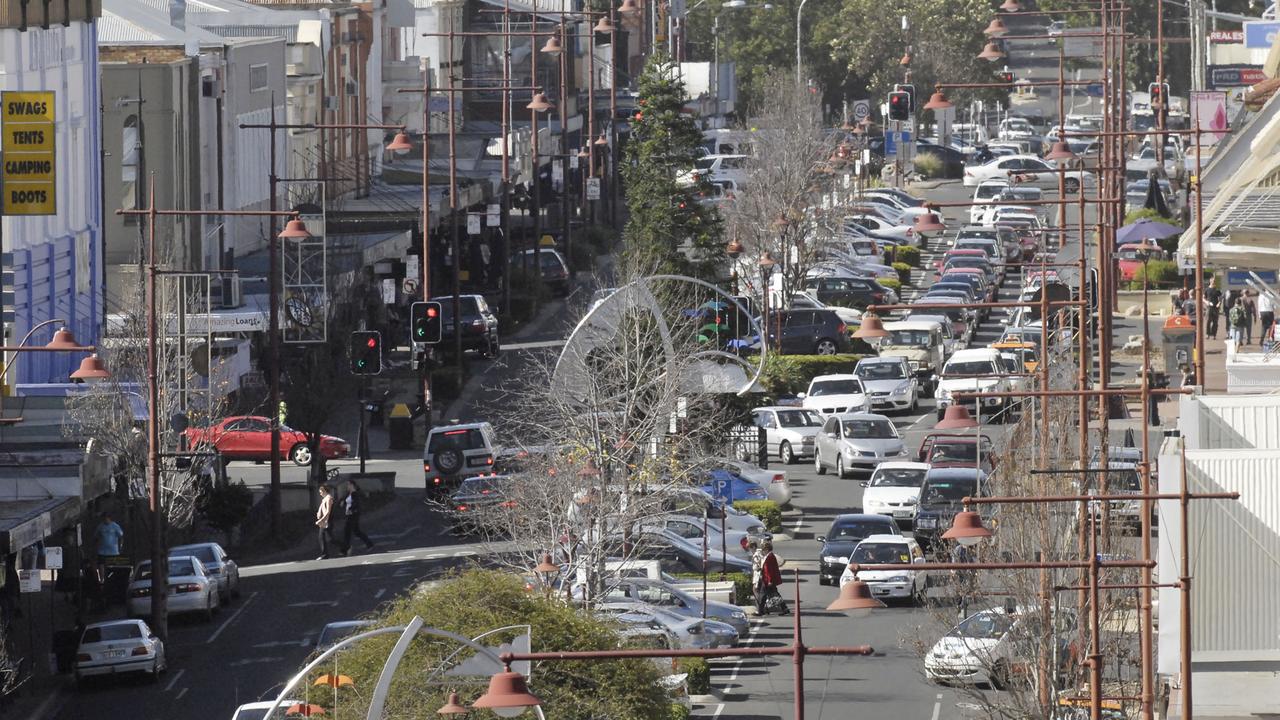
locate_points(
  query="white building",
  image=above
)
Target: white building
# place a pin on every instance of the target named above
(55, 259)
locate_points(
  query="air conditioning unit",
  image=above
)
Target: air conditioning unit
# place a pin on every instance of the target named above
(331, 102)
(351, 88)
(228, 294)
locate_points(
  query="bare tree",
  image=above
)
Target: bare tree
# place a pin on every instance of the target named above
(779, 211)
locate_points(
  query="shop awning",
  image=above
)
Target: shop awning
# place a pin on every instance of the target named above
(25, 522)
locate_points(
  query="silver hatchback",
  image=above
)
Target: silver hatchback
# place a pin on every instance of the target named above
(857, 441)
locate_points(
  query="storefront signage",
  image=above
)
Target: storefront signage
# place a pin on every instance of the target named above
(1227, 76)
(29, 167)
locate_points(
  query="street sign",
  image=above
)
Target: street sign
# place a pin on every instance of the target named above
(53, 558)
(593, 188)
(893, 138)
(493, 215)
(1227, 76)
(1093, 90)
(473, 223)
(861, 110)
(29, 581)
(1260, 34)
(1226, 36)
(28, 171)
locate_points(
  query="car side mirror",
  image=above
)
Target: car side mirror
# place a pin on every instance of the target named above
(918, 561)
(833, 435)
(864, 483)
(821, 538)
(800, 396)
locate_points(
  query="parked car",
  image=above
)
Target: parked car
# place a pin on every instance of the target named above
(842, 537)
(677, 600)
(952, 160)
(479, 325)
(730, 486)
(809, 332)
(694, 528)
(773, 481)
(686, 500)
(475, 498)
(668, 546)
(878, 228)
(998, 646)
(833, 394)
(940, 496)
(977, 370)
(789, 432)
(248, 437)
(119, 646)
(909, 585)
(717, 167)
(258, 710)
(889, 382)
(554, 268)
(894, 490)
(857, 441)
(191, 590)
(682, 632)
(457, 451)
(1027, 169)
(853, 292)
(217, 564)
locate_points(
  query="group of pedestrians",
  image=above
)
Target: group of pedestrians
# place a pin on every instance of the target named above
(352, 507)
(766, 576)
(1242, 310)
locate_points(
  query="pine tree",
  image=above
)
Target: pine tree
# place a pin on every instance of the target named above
(668, 230)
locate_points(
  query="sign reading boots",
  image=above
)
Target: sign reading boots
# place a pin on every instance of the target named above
(29, 168)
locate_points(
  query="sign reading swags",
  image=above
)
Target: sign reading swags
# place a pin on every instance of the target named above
(29, 167)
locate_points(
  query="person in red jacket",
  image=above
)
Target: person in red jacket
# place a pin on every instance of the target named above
(768, 598)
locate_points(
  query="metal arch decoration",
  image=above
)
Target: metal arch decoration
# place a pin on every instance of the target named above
(599, 324)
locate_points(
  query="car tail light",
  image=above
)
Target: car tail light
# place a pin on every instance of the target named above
(186, 588)
(743, 542)
(488, 461)
(841, 328)
(140, 650)
(461, 508)
(140, 592)
(779, 477)
(508, 504)
(426, 467)
(83, 657)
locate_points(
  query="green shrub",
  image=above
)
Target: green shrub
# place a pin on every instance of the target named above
(680, 712)
(582, 256)
(790, 374)
(894, 285)
(908, 255)
(1158, 273)
(928, 165)
(699, 672)
(225, 506)
(1143, 214)
(767, 510)
(904, 272)
(602, 237)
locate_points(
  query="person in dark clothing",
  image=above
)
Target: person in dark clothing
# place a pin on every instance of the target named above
(352, 507)
(768, 598)
(1153, 382)
(1212, 306)
(1250, 314)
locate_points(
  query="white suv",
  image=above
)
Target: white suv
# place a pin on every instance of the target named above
(455, 452)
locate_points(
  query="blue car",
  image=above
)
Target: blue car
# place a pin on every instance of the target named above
(727, 484)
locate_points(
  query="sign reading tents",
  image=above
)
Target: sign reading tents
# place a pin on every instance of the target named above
(29, 168)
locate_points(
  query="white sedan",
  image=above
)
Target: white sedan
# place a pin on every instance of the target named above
(1027, 169)
(119, 646)
(191, 589)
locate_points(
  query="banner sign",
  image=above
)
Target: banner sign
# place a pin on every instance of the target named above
(1226, 76)
(28, 171)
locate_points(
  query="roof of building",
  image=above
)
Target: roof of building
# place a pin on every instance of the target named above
(131, 22)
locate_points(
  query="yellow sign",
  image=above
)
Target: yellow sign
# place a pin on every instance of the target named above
(29, 169)
(546, 241)
(24, 138)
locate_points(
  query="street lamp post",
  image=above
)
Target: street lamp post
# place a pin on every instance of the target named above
(799, 11)
(62, 341)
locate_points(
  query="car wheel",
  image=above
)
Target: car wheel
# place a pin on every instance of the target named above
(822, 580)
(1071, 185)
(825, 346)
(840, 472)
(209, 605)
(941, 412)
(235, 586)
(786, 454)
(818, 467)
(300, 454)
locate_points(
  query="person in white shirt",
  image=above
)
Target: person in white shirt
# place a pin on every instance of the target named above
(1267, 315)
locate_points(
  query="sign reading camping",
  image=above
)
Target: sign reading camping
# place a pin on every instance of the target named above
(29, 167)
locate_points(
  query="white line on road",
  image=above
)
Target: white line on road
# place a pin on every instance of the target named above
(254, 661)
(937, 707)
(737, 666)
(536, 345)
(231, 619)
(379, 593)
(181, 692)
(796, 528)
(174, 681)
(313, 603)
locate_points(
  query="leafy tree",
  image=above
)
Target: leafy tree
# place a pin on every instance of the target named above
(668, 231)
(225, 506)
(479, 601)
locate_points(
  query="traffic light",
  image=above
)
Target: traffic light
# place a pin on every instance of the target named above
(1159, 96)
(910, 90)
(1005, 76)
(899, 105)
(426, 323)
(366, 352)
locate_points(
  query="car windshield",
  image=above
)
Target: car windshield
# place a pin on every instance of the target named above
(897, 477)
(986, 192)
(983, 626)
(203, 553)
(986, 247)
(966, 452)
(467, 306)
(857, 529)
(909, 338)
(703, 163)
(460, 439)
(799, 418)
(967, 262)
(176, 567)
(869, 429)
(970, 367)
(881, 371)
(1124, 480)
(835, 387)
(108, 633)
(880, 553)
(947, 491)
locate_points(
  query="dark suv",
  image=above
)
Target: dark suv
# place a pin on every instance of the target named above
(555, 271)
(479, 325)
(940, 500)
(848, 291)
(808, 332)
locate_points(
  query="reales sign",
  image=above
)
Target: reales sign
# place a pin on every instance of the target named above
(29, 170)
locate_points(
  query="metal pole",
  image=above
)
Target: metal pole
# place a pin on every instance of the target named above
(799, 11)
(427, 400)
(505, 200)
(565, 222)
(273, 329)
(159, 556)
(797, 657)
(1144, 603)
(1184, 550)
(1199, 185)
(454, 250)
(536, 176)
(612, 169)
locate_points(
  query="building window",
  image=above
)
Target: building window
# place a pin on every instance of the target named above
(130, 161)
(257, 78)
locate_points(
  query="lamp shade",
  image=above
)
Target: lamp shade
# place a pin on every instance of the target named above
(539, 103)
(996, 28)
(91, 368)
(991, 52)
(546, 567)
(1012, 6)
(552, 46)
(870, 328)
(855, 595)
(928, 222)
(733, 249)
(334, 681)
(62, 340)
(906, 60)
(629, 7)
(1060, 151)
(605, 25)
(767, 262)
(507, 689)
(602, 140)
(453, 707)
(967, 529)
(938, 101)
(295, 229)
(400, 143)
(956, 417)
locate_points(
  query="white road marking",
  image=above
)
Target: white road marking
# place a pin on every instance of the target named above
(174, 680)
(536, 345)
(305, 641)
(737, 666)
(230, 619)
(796, 527)
(181, 692)
(379, 593)
(937, 707)
(255, 661)
(313, 603)
(277, 643)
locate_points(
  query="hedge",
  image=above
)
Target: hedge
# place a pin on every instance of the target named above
(699, 674)
(1159, 273)
(767, 510)
(908, 255)
(894, 285)
(790, 374)
(680, 712)
(904, 271)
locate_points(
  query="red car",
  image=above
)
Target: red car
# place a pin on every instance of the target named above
(248, 437)
(1129, 258)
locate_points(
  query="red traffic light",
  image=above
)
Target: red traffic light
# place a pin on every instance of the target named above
(431, 312)
(371, 342)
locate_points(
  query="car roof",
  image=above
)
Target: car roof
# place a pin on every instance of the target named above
(965, 252)
(882, 359)
(459, 426)
(860, 517)
(860, 416)
(191, 546)
(912, 324)
(963, 271)
(947, 472)
(973, 353)
(111, 623)
(837, 376)
(903, 465)
(886, 538)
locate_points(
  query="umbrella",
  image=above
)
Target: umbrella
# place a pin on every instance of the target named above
(1155, 196)
(304, 709)
(335, 681)
(1145, 230)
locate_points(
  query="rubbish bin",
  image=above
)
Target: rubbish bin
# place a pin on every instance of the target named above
(400, 428)
(1178, 340)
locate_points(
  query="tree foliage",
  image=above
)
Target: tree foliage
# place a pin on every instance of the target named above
(668, 230)
(478, 601)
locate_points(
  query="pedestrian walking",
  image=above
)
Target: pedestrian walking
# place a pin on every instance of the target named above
(1212, 305)
(1266, 317)
(1236, 321)
(1250, 314)
(1152, 380)
(323, 514)
(962, 581)
(769, 599)
(353, 505)
(107, 540)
